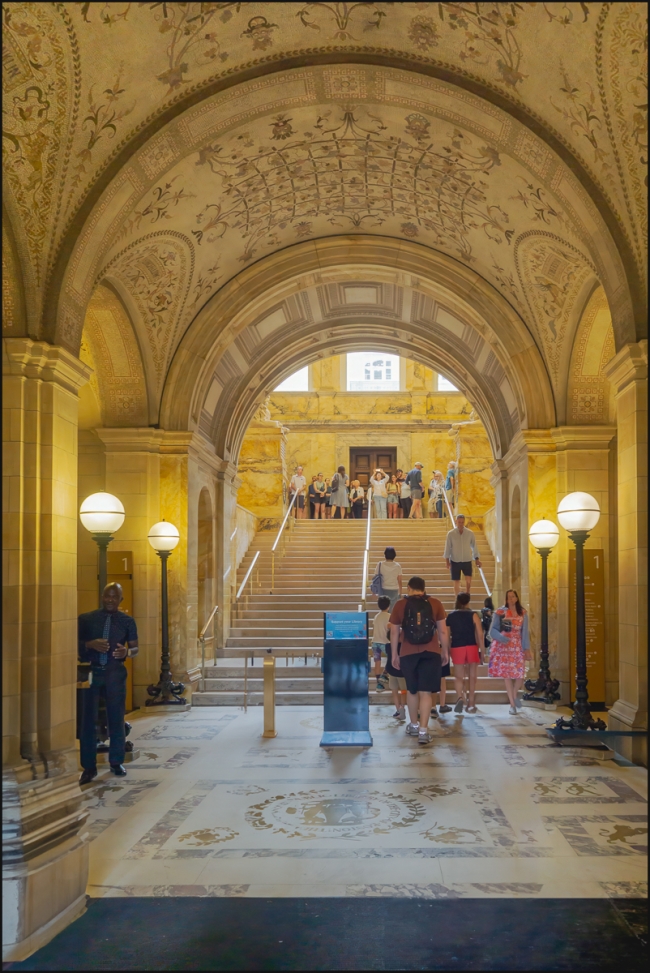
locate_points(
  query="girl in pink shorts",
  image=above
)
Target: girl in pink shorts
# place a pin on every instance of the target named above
(466, 639)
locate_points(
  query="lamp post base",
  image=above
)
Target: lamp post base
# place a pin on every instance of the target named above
(542, 690)
(166, 694)
(579, 721)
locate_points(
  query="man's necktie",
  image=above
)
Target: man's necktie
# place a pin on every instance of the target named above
(103, 656)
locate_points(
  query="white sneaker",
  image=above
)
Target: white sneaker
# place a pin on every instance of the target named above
(513, 710)
(402, 715)
(518, 703)
(412, 729)
(423, 736)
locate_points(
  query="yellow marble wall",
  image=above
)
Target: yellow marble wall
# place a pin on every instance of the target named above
(322, 425)
(262, 471)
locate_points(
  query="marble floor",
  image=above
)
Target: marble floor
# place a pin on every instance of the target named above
(490, 809)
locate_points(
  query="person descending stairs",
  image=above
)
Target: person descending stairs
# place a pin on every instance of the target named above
(321, 571)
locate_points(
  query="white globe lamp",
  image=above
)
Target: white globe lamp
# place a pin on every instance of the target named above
(164, 537)
(578, 511)
(102, 513)
(544, 535)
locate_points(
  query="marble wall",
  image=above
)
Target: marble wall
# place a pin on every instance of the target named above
(318, 428)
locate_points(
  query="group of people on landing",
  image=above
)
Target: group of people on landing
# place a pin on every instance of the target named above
(394, 496)
(420, 640)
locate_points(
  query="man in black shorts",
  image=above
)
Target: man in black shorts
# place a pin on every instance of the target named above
(460, 549)
(418, 621)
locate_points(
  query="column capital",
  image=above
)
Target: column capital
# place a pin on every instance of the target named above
(144, 439)
(40, 360)
(583, 437)
(629, 365)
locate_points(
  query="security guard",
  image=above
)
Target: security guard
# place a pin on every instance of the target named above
(106, 637)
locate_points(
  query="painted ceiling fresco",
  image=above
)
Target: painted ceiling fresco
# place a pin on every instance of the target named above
(81, 78)
(324, 150)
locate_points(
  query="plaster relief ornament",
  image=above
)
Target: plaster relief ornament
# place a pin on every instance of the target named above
(37, 111)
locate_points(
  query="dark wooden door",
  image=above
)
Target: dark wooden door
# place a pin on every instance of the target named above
(364, 462)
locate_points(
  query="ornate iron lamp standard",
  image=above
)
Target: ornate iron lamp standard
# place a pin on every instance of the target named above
(102, 514)
(164, 537)
(579, 513)
(543, 535)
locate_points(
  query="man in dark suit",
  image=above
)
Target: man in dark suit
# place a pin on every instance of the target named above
(107, 636)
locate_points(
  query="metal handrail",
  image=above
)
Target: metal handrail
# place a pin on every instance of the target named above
(247, 576)
(485, 584)
(277, 540)
(202, 640)
(366, 553)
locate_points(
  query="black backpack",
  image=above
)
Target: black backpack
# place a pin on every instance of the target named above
(419, 625)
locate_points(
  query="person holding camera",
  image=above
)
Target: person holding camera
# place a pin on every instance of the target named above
(510, 647)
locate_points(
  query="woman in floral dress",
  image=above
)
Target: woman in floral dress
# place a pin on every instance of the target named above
(510, 647)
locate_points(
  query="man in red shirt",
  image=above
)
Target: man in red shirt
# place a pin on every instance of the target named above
(421, 657)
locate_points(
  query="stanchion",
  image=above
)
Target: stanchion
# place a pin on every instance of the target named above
(269, 698)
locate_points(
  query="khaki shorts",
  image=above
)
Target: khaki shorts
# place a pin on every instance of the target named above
(397, 682)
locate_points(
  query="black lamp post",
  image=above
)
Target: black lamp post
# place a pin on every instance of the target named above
(579, 513)
(164, 537)
(543, 535)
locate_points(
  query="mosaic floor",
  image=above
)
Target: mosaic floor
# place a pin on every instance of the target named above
(490, 809)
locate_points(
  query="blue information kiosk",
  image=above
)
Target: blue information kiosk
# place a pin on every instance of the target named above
(346, 718)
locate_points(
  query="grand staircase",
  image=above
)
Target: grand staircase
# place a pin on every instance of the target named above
(321, 570)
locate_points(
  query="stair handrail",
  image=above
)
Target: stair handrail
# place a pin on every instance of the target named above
(277, 540)
(366, 552)
(202, 641)
(247, 576)
(451, 514)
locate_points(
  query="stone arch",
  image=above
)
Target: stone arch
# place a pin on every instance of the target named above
(300, 305)
(626, 295)
(109, 346)
(589, 394)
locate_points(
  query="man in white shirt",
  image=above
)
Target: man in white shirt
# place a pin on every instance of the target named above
(297, 486)
(460, 549)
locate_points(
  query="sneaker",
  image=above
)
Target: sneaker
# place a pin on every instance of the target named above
(396, 714)
(471, 709)
(423, 737)
(445, 709)
(513, 710)
(412, 729)
(402, 715)
(458, 708)
(434, 713)
(518, 703)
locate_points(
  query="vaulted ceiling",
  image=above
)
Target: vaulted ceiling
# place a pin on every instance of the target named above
(166, 146)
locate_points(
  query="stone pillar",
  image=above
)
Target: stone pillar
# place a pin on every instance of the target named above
(501, 551)
(227, 487)
(582, 464)
(132, 473)
(45, 861)
(628, 373)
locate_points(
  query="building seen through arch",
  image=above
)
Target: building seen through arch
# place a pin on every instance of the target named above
(240, 241)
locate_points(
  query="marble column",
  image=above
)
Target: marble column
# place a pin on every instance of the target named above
(45, 858)
(499, 482)
(227, 486)
(628, 373)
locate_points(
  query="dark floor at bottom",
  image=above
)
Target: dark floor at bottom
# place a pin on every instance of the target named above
(350, 934)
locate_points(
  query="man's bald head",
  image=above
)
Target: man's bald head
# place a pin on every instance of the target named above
(112, 596)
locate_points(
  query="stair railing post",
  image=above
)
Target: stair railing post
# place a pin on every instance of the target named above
(269, 697)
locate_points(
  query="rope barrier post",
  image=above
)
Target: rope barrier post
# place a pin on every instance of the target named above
(269, 697)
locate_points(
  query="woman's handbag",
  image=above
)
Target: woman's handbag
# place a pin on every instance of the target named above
(376, 585)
